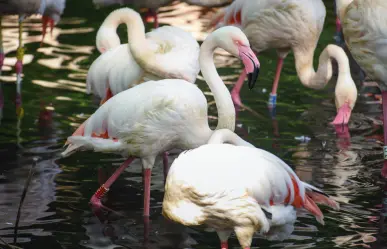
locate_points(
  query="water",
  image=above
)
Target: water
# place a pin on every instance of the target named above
(56, 212)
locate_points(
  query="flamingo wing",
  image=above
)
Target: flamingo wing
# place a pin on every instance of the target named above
(176, 51)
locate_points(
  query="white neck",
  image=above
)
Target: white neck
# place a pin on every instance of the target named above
(137, 42)
(224, 104)
(305, 70)
(226, 136)
(341, 6)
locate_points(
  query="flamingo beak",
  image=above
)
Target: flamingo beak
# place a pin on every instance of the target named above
(251, 64)
(46, 20)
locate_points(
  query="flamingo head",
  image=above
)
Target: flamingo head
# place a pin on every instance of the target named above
(106, 39)
(234, 41)
(345, 98)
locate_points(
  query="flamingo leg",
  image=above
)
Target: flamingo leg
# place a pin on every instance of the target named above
(166, 165)
(384, 104)
(273, 94)
(95, 200)
(223, 237)
(237, 88)
(2, 56)
(147, 180)
(19, 69)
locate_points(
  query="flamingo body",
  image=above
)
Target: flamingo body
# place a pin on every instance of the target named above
(138, 122)
(173, 52)
(251, 192)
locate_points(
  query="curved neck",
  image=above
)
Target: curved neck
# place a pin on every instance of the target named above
(135, 28)
(319, 79)
(226, 136)
(224, 104)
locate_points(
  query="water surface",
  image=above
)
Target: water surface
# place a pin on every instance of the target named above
(56, 212)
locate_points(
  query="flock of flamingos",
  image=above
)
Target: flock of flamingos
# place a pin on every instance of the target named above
(150, 104)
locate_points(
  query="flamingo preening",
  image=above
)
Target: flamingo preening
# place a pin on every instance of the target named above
(165, 53)
(237, 187)
(157, 116)
(292, 25)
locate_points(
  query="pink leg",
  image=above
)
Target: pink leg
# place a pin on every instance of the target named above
(273, 94)
(384, 104)
(96, 198)
(2, 56)
(146, 229)
(166, 165)
(338, 25)
(147, 179)
(237, 88)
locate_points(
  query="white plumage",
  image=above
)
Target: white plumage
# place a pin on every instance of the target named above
(293, 25)
(166, 52)
(156, 116)
(236, 188)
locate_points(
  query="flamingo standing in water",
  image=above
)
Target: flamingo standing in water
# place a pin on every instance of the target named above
(292, 25)
(365, 33)
(51, 15)
(165, 53)
(157, 116)
(243, 189)
(154, 5)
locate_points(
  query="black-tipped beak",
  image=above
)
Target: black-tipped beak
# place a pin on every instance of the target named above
(252, 77)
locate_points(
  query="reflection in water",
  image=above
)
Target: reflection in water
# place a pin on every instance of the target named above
(344, 161)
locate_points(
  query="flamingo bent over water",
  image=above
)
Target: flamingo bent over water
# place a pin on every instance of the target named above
(365, 33)
(292, 25)
(237, 188)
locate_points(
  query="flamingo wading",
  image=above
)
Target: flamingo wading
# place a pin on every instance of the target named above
(157, 116)
(292, 25)
(252, 190)
(364, 25)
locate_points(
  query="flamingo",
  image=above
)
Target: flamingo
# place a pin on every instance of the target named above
(166, 52)
(51, 15)
(365, 33)
(157, 116)
(154, 5)
(292, 25)
(252, 190)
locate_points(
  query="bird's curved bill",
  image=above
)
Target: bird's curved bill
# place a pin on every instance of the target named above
(251, 64)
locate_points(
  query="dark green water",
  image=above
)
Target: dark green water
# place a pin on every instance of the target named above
(56, 212)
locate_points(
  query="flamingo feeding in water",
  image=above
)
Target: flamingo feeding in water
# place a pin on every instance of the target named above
(157, 116)
(165, 53)
(154, 5)
(243, 189)
(292, 25)
(365, 33)
(51, 15)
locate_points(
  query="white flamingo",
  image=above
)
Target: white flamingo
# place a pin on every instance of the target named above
(292, 25)
(157, 116)
(52, 13)
(154, 5)
(237, 188)
(365, 33)
(165, 53)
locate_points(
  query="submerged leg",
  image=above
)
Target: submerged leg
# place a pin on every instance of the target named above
(96, 198)
(19, 69)
(384, 103)
(1, 47)
(237, 88)
(273, 94)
